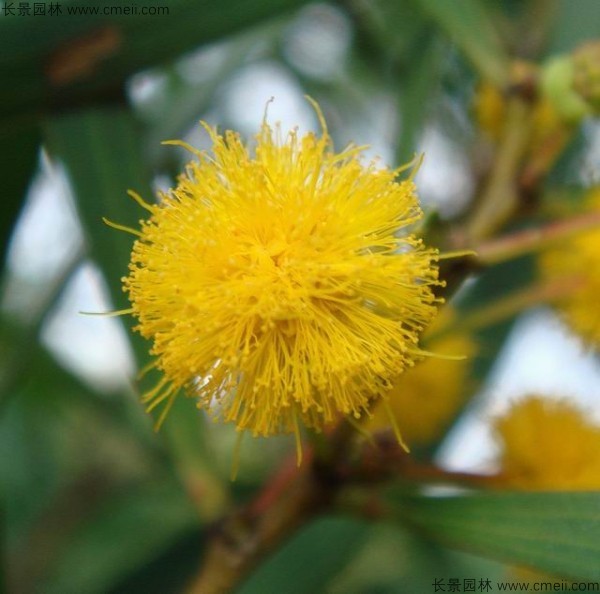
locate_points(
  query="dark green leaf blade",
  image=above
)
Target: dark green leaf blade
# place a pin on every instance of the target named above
(101, 151)
(395, 560)
(309, 562)
(416, 101)
(71, 58)
(574, 23)
(554, 532)
(469, 25)
(19, 144)
(126, 532)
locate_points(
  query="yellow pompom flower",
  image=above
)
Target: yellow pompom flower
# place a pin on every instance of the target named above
(281, 285)
(579, 263)
(423, 400)
(548, 445)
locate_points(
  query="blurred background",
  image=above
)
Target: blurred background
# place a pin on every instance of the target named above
(95, 501)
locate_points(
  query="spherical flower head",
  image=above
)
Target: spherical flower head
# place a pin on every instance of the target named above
(280, 286)
(548, 445)
(579, 264)
(423, 400)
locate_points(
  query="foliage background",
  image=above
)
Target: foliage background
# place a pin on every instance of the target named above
(94, 501)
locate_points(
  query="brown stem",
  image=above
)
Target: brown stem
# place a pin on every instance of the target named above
(518, 244)
(545, 155)
(294, 495)
(508, 306)
(245, 537)
(277, 486)
(432, 474)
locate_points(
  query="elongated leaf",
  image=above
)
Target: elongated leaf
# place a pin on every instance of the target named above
(397, 561)
(555, 532)
(574, 23)
(470, 26)
(101, 151)
(389, 33)
(125, 533)
(168, 573)
(416, 99)
(29, 406)
(19, 146)
(51, 479)
(70, 57)
(310, 561)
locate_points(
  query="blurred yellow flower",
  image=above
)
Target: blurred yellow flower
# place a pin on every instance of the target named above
(424, 399)
(548, 445)
(281, 285)
(579, 263)
(586, 74)
(489, 109)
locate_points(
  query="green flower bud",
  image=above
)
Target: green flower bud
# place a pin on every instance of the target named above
(558, 86)
(586, 74)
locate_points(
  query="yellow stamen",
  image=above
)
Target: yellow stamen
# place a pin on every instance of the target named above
(394, 423)
(108, 314)
(235, 461)
(121, 227)
(141, 201)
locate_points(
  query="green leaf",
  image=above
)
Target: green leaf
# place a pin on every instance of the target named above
(308, 563)
(83, 57)
(394, 560)
(554, 532)
(19, 143)
(42, 410)
(574, 23)
(471, 28)
(389, 35)
(101, 151)
(168, 573)
(29, 476)
(70, 447)
(124, 534)
(415, 102)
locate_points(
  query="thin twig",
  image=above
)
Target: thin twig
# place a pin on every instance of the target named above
(523, 242)
(244, 538)
(501, 195)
